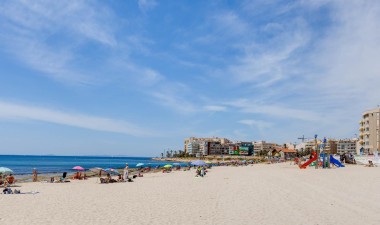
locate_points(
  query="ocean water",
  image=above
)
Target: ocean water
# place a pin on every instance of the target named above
(22, 165)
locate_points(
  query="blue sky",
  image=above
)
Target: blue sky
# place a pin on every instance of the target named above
(136, 77)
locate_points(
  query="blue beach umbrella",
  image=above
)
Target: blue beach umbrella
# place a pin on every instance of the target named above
(198, 163)
(140, 164)
(5, 170)
(111, 170)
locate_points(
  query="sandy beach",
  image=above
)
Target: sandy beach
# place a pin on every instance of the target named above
(258, 194)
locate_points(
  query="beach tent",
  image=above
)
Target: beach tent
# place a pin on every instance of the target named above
(198, 163)
(5, 170)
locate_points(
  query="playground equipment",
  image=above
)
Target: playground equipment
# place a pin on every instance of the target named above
(335, 162)
(314, 158)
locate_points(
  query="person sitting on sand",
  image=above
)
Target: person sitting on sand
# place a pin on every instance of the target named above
(7, 190)
(370, 164)
(198, 171)
(11, 179)
(109, 178)
(120, 178)
(76, 176)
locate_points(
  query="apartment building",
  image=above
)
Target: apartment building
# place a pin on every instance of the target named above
(193, 147)
(369, 131)
(347, 146)
(262, 146)
(203, 140)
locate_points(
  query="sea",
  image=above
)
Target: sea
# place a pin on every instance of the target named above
(24, 164)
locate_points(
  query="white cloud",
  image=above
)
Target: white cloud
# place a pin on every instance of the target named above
(146, 5)
(349, 54)
(215, 108)
(31, 30)
(255, 123)
(274, 110)
(230, 23)
(275, 60)
(12, 111)
(175, 102)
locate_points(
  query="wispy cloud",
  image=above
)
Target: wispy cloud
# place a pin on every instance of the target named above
(12, 111)
(146, 5)
(32, 30)
(215, 108)
(273, 110)
(255, 123)
(273, 62)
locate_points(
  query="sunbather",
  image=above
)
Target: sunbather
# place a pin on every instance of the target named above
(109, 178)
(11, 179)
(7, 190)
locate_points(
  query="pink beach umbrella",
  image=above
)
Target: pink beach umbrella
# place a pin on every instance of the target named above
(79, 168)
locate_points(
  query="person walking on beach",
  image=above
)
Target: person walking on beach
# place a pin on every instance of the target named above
(125, 172)
(34, 175)
(202, 171)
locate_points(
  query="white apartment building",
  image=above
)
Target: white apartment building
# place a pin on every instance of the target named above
(369, 131)
(193, 147)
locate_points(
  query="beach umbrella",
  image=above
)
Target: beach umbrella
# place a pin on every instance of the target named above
(208, 162)
(198, 163)
(168, 166)
(111, 170)
(5, 170)
(140, 164)
(78, 168)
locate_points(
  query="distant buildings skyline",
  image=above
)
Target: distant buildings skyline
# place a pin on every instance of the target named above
(368, 141)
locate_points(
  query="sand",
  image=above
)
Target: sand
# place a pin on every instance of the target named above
(258, 194)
